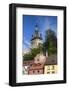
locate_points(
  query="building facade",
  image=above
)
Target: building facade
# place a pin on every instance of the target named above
(36, 69)
(51, 66)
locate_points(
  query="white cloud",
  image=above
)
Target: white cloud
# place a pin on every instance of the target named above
(27, 43)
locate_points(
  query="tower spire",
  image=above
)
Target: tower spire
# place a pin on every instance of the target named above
(36, 37)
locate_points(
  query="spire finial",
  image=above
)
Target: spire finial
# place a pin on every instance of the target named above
(36, 27)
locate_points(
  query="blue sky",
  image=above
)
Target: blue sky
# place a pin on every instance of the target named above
(43, 22)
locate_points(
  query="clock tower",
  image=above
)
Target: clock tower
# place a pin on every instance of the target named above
(36, 39)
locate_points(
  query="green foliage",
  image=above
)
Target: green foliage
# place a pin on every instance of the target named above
(28, 56)
(33, 53)
(50, 43)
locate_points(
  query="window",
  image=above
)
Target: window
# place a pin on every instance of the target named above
(37, 59)
(53, 71)
(33, 71)
(48, 72)
(48, 68)
(38, 71)
(30, 64)
(53, 67)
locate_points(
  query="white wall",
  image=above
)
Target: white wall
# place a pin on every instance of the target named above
(4, 47)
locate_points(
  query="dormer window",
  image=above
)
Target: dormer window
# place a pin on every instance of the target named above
(37, 59)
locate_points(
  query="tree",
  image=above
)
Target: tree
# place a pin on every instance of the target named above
(50, 43)
(33, 53)
(28, 56)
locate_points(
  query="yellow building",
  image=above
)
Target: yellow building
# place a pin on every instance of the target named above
(51, 66)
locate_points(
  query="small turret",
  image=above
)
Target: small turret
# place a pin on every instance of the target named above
(36, 34)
